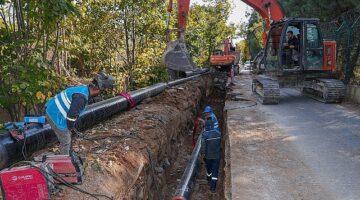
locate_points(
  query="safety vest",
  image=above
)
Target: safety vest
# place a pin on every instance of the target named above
(58, 106)
(215, 120)
(211, 143)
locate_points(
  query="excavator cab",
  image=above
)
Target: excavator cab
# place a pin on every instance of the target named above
(218, 52)
(307, 55)
(295, 56)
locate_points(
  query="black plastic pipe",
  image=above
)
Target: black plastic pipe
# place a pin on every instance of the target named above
(102, 110)
(187, 182)
(38, 137)
(193, 73)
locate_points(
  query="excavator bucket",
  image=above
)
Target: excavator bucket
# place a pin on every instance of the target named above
(177, 59)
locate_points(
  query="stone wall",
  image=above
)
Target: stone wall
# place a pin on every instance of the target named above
(353, 93)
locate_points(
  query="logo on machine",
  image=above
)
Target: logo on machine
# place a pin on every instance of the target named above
(25, 177)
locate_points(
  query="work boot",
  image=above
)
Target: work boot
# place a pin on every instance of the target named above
(208, 178)
(213, 186)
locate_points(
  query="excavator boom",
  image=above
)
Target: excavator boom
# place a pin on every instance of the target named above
(176, 57)
(269, 10)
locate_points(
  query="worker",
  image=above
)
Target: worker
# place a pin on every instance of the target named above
(63, 110)
(208, 112)
(291, 53)
(293, 42)
(210, 148)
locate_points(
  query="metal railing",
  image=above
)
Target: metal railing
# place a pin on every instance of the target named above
(345, 29)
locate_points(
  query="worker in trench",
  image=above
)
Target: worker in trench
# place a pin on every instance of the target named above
(63, 110)
(208, 112)
(210, 148)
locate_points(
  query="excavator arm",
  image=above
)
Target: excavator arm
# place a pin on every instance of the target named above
(269, 10)
(176, 57)
(182, 13)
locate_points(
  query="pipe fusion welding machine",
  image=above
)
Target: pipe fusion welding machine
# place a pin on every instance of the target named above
(38, 179)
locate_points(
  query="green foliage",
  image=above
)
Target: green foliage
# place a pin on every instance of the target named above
(252, 32)
(27, 79)
(245, 54)
(44, 44)
(324, 9)
(207, 29)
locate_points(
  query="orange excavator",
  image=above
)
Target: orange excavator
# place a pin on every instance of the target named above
(295, 55)
(226, 58)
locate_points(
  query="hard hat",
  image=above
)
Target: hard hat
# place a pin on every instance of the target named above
(208, 109)
(103, 81)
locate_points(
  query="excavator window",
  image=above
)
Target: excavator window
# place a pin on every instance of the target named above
(314, 48)
(218, 52)
(290, 58)
(273, 47)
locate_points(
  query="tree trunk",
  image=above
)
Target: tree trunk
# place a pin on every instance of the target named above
(56, 47)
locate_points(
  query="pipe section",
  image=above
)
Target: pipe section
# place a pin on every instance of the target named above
(36, 138)
(195, 72)
(187, 182)
(102, 110)
(39, 136)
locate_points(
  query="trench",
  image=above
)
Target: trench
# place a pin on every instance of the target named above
(216, 99)
(142, 153)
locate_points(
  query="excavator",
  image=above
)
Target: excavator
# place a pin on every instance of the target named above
(308, 66)
(226, 58)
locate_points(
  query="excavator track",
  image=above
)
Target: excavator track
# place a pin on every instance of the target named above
(326, 90)
(266, 90)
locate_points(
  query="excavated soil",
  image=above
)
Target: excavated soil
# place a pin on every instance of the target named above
(130, 156)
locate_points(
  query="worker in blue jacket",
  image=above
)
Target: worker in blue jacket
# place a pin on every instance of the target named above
(208, 112)
(63, 109)
(210, 148)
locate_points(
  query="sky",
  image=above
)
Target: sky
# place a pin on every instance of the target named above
(237, 14)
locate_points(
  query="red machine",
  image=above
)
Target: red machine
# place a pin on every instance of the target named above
(224, 58)
(68, 168)
(37, 182)
(329, 55)
(27, 182)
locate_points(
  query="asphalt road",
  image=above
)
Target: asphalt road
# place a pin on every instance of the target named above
(328, 138)
(298, 149)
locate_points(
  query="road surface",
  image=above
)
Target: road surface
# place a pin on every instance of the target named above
(299, 149)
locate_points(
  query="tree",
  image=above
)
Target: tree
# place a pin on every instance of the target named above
(323, 9)
(207, 29)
